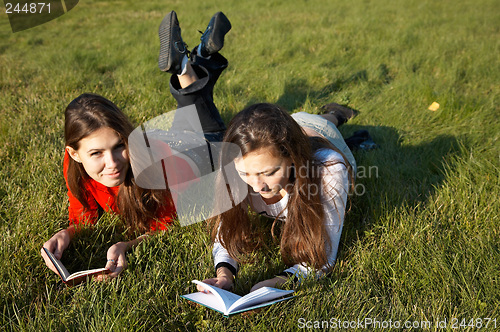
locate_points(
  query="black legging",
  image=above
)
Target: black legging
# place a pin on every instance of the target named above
(200, 94)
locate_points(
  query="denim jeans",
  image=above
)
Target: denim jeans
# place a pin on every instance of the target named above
(326, 129)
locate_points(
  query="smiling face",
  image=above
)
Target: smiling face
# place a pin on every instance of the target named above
(265, 172)
(104, 157)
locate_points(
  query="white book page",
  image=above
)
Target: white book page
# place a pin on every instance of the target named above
(227, 298)
(83, 273)
(59, 266)
(261, 295)
(209, 300)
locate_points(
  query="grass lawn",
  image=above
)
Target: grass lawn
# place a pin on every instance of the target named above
(421, 241)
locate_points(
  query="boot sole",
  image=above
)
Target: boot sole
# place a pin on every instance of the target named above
(165, 33)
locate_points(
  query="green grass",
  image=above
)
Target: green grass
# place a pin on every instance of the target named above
(420, 243)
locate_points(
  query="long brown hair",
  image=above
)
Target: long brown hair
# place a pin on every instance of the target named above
(304, 236)
(83, 116)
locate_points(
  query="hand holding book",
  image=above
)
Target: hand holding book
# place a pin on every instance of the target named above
(75, 278)
(273, 282)
(116, 262)
(56, 245)
(224, 280)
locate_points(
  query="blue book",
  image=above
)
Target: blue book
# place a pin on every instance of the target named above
(228, 303)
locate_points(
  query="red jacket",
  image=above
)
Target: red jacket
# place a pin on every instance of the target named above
(105, 197)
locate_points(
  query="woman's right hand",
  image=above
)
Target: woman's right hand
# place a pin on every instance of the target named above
(224, 280)
(56, 245)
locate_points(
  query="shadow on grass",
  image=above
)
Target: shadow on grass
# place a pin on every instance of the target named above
(394, 175)
(391, 176)
(297, 91)
(88, 248)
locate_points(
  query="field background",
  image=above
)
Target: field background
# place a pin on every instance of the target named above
(421, 242)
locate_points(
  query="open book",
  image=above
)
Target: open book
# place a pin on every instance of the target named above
(77, 277)
(229, 303)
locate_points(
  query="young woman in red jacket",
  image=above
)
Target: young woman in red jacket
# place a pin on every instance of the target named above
(97, 167)
(99, 178)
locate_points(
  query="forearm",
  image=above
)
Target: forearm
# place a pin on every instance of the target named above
(71, 231)
(224, 272)
(116, 255)
(222, 258)
(135, 242)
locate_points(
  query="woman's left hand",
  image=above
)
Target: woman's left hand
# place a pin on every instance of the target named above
(117, 261)
(274, 282)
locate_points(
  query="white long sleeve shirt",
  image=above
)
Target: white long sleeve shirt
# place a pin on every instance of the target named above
(335, 186)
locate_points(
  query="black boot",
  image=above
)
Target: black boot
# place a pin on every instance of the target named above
(212, 40)
(362, 140)
(342, 113)
(172, 47)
